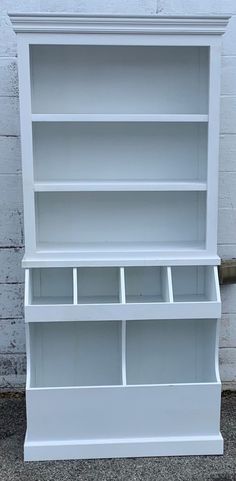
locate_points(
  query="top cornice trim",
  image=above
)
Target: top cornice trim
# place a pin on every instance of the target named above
(117, 24)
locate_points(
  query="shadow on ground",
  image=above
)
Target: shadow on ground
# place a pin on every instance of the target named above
(189, 468)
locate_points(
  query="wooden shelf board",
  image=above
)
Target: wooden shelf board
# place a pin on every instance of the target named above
(119, 118)
(119, 186)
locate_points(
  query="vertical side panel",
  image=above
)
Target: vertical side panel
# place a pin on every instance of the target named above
(26, 144)
(28, 357)
(213, 146)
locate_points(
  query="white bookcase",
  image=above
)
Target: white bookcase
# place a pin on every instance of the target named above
(119, 127)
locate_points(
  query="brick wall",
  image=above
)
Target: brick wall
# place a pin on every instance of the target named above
(12, 344)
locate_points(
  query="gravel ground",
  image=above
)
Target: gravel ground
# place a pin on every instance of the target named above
(189, 468)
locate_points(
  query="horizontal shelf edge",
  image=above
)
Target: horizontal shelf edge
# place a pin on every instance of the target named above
(119, 118)
(58, 260)
(118, 311)
(118, 186)
(127, 386)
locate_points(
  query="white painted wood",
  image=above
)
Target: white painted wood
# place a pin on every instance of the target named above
(187, 409)
(152, 258)
(106, 117)
(148, 25)
(75, 286)
(122, 293)
(213, 146)
(123, 234)
(178, 446)
(26, 145)
(111, 311)
(118, 186)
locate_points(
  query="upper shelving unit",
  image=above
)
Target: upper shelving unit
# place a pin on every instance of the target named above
(119, 127)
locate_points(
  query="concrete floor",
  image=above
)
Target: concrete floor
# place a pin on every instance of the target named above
(189, 468)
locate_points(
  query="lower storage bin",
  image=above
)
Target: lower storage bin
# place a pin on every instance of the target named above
(105, 422)
(122, 388)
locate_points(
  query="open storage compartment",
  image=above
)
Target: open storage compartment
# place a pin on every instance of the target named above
(116, 222)
(171, 352)
(98, 285)
(51, 286)
(115, 151)
(119, 79)
(193, 284)
(75, 354)
(146, 284)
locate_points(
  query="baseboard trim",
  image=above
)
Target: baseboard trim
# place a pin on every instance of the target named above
(122, 448)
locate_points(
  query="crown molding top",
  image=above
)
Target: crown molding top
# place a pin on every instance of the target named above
(117, 24)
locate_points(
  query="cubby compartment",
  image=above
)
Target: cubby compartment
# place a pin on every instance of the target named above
(119, 151)
(75, 354)
(194, 284)
(146, 284)
(105, 222)
(119, 79)
(51, 286)
(171, 352)
(98, 285)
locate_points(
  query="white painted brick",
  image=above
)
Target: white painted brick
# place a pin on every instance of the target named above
(228, 152)
(11, 211)
(228, 330)
(227, 251)
(228, 75)
(12, 370)
(12, 336)
(10, 265)
(11, 191)
(11, 227)
(12, 366)
(11, 301)
(227, 226)
(228, 296)
(196, 7)
(228, 364)
(227, 190)
(229, 38)
(20, 5)
(10, 155)
(9, 119)
(8, 77)
(147, 7)
(7, 36)
(228, 115)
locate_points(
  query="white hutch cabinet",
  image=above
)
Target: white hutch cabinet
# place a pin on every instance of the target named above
(119, 127)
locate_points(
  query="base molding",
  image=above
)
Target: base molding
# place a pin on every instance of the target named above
(122, 448)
